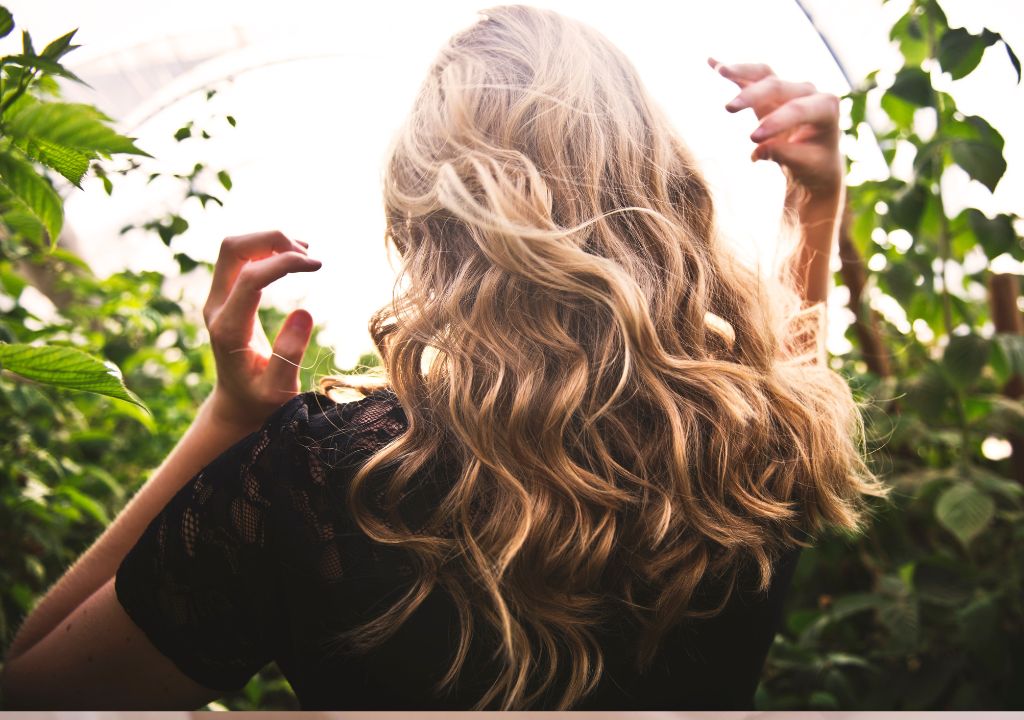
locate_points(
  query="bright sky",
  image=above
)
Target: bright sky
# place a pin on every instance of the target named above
(319, 89)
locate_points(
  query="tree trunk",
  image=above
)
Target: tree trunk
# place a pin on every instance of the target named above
(866, 321)
(1007, 318)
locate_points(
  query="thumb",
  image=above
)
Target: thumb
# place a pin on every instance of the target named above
(282, 372)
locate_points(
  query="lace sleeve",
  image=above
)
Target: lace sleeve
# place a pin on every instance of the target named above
(806, 333)
(200, 582)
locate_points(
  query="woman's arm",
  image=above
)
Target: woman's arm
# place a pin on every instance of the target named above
(818, 220)
(252, 382)
(799, 130)
(207, 438)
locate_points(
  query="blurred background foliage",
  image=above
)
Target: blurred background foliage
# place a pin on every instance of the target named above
(924, 611)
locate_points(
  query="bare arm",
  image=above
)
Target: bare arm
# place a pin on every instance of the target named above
(205, 439)
(818, 219)
(78, 645)
(799, 130)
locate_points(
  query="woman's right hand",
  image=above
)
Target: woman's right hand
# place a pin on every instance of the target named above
(253, 377)
(799, 127)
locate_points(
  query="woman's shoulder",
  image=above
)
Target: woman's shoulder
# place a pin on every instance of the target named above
(360, 426)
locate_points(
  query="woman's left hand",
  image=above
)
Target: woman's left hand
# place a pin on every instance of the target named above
(254, 379)
(799, 127)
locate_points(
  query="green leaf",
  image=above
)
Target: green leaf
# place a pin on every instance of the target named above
(232, 122)
(6, 22)
(66, 367)
(979, 622)
(930, 225)
(849, 605)
(901, 113)
(822, 700)
(848, 660)
(35, 192)
(983, 163)
(186, 262)
(19, 219)
(996, 235)
(913, 85)
(978, 149)
(940, 582)
(70, 258)
(906, 208)
(900, 281)
(225, 179)
(26, 43)
(965, 511)
(1014, 60)
(207, 198)
(964, 358)
(928, 392)
(84, 503)
(863, 225)
(174, 226)
(70, 163)
(1008, 355)
(858, 106)
(47, 65)
(60, 47)
(913, 44)
(76, 126)
(901, 617)
(960, 51)
(11, 282)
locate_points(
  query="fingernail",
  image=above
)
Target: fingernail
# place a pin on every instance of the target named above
(734, 105)
(758, 134)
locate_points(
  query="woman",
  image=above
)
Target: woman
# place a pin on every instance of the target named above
(588, 479)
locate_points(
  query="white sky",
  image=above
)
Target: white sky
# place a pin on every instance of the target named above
(328, 84)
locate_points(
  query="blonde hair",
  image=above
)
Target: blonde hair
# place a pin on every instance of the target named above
(615, 388)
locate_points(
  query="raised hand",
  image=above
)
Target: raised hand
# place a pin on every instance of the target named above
(253, 378)
(799, 126)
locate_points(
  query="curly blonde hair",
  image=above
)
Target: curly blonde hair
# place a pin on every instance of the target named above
(620, 393)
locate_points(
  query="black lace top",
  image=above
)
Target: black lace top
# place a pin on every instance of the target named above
(257, 560)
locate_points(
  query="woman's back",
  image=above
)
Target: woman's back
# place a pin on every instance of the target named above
(269, 560)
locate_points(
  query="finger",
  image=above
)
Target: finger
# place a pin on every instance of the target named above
(799, 158)
(767, 94)
(235, 318)
(820, 109)
(282, 372)
(235, 252)
(741, 73)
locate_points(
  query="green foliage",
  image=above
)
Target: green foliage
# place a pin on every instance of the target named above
(70, 460)
(65, 367)
(924, 611)
(32, 192)
(37, 134)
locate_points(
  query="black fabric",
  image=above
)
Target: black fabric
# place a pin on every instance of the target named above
(256, 560)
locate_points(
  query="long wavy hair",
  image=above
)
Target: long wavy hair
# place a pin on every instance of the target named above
(621, 398)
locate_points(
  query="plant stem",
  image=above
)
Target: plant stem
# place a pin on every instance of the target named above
(944, 258)
(22, 87)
